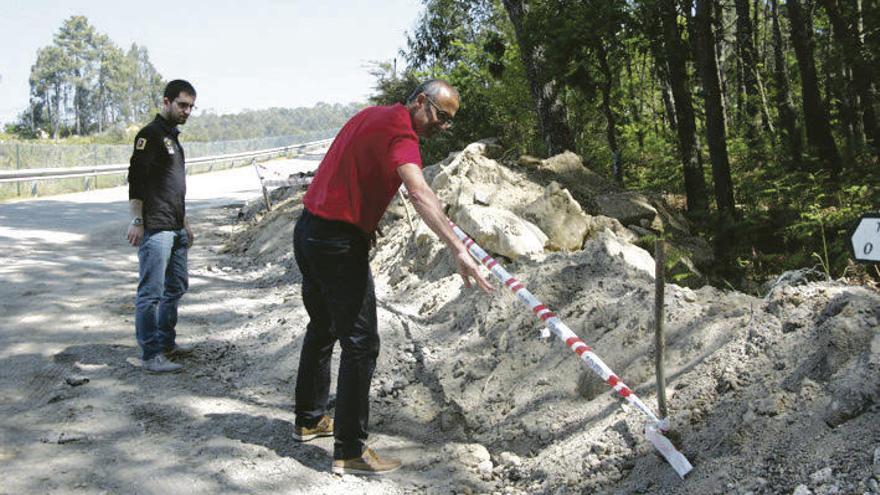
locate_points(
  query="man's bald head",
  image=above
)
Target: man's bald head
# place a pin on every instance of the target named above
(435, 88)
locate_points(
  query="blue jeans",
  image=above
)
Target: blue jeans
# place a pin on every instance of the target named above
(163, 280)
(339, 295)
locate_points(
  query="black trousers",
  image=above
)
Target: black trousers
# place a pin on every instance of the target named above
(339, 295)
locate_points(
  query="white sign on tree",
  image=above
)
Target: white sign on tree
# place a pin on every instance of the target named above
(865, 240)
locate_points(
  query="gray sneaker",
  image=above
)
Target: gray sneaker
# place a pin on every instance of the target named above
(179, 350)
(159, 364)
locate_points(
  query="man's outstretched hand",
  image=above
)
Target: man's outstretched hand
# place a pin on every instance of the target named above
(468, 269)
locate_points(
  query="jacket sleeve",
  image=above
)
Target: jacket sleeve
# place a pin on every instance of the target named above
(142, 158)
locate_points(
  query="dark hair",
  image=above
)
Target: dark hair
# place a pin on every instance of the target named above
(177, 86)
(432, 88)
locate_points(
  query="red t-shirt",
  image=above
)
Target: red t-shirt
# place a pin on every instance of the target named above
(358, 176)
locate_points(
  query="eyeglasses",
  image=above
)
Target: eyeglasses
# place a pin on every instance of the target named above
(442, 115)
(184, 105)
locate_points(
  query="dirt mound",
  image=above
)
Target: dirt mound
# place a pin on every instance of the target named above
(769, 395)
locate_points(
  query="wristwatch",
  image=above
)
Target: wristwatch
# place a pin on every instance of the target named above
(137, 221)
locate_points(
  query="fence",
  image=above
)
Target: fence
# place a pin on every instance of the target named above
(18, 161)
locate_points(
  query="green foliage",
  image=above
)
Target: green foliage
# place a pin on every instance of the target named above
(84, 84)
(251, 124)
(796, 219)
(470, 44)
(391, 88)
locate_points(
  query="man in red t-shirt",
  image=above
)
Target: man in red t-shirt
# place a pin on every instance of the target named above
(374, 153)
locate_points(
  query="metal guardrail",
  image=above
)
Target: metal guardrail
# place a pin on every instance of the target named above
(35, 174)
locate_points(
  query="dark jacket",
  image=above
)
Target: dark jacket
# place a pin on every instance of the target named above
(157, 175)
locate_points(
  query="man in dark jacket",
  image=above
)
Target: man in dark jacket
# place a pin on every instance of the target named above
(159, 228)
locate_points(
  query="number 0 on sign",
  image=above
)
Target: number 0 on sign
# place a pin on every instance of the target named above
(865, 240)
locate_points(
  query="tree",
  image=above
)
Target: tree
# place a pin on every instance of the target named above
(48, 87)
(704, 46)
(544, 88)
(83, 83)
(790, 133)
(145, 84)
(676, 60)
(845, 28)
(816, 117)
(78, 40)
(748, 88)
(583, 50)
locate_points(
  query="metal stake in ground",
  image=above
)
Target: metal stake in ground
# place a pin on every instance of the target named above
(659, 338)
(262, 185)
(655, 427)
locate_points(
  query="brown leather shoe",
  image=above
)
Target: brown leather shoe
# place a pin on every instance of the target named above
(368, 463)
(324, 428)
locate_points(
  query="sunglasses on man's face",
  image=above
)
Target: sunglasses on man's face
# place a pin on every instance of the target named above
(442, 115)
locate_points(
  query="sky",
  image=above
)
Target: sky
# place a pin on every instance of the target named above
(238, 54)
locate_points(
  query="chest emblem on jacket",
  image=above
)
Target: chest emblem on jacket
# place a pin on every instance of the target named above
(169, 145)
(141, 144)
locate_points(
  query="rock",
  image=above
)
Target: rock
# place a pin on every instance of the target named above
(481, 198)
(585, 185)
(821, 476)
(488, 147)
(75, 381)
(467, 192)
(801, 490)
(471, 177)
(472, 455)
(670, 221)
(846, 405)
(509, 459)
(559, 216)
(484, 468)
(609, 245)
(628, 207)
(564, 162)
(500, 231)
(598, 223)
(770, 406)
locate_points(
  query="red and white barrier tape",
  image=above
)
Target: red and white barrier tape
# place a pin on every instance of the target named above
(572, 341)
